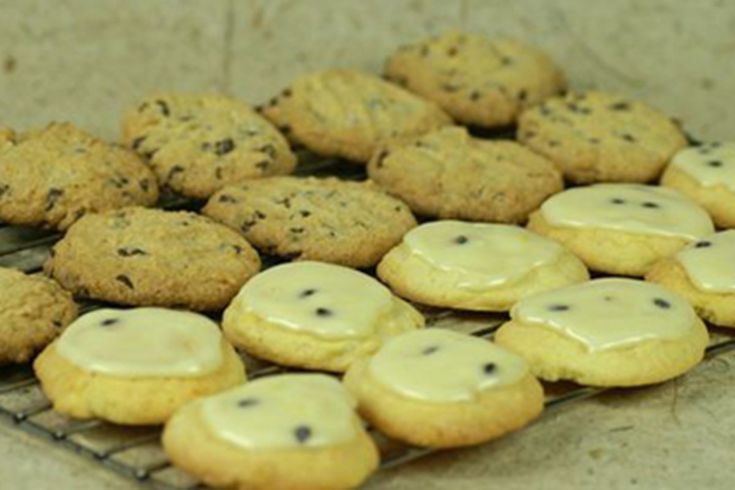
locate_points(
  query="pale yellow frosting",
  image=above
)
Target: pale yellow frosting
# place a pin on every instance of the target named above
(710, 262)
(439, 365)
(143, 342)
(322, 299)
(629, 208)
(283, 411)
(710, 165)
(609, 313)
(482, 255)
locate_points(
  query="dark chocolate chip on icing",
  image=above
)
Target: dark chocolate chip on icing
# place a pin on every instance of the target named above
(714, 163)
(130, 251)
(226, 198)
(430, 350)
(164, 107)
(302, 433)
(461, 240)
(489, 368)
(247, 402)
(661, 303)
(3, 189)
(649, 204)
(617, 200)
(125, 280)
(323, 312)
(620, 106)
(306, 293)
(628, 137)
(224, 146)
(703, 244)
(109, 321)
(559, 307)
(53, 196)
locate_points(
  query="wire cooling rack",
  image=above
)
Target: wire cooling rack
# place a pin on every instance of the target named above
(135, 452)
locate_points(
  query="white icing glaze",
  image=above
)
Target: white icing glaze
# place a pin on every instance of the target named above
(143, 342)
(710, 262)
(443, 366)
(710, 165)
(283, 411)
(630, 208)
(321, 299)
(609, 313)
(481, 255)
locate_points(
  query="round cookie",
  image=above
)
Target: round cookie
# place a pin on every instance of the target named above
(141, 256)
(473, 266)
(285, 431)
(440, 388)
(33, 310)
(135, 367)
(606, 332)
(706, 174)
(621, 228)
(314, 315)
(349, 114)
(448, 174)
(601, 137)
(199, 143)
(703, 273)
(478, 81)
(53, 176)
(328, 220)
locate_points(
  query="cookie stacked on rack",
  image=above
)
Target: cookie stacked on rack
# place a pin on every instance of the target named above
(499, 236)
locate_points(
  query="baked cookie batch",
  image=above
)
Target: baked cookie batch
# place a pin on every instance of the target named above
(498, 232)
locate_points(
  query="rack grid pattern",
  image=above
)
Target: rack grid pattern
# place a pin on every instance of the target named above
(135, 452)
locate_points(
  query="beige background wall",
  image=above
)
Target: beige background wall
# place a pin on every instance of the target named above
(85, 60)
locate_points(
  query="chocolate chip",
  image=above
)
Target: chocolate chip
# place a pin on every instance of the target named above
(628, 137)
(285, 202)
(506, 60)
(262, 165)
(226, 198)
(273, 102)
(119, 182)
(224, 146)
(137, 142)
(617, 200)
(650, 205)
(142, 106)
(379, 159)
(286, 92)
(489, 368)
(703, 244)
(452, 51)
(620, 106)
(3, 189)
(247, 402)
(109, 321)
(461, 240)
(522, 95)
(302, 433)
(306, 293)
(150, 153)
(56, 323)
(558, 307)
(259, 214)
(475, 95)
(323, 312)
(714, 163)
(246, 225)
(144, 185)
(51, 198)
(218, 173)
(304, 213)
(130, 251)
(125, 280)
(269, 150)
(430, 350)
(164, 107)
(174, 170)
(661, 303)
(296, 230)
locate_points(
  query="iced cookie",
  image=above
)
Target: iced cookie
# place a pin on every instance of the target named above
(704, 273)
(448, 174)
(328, 220)
(200, 143)
(349, 114)
(475, 266)
(478, 81)
(621, 228)
(136, 366)
(440, 388)
(295, 431)
(140, 256)
(33, 311)
(707, 175)
(316, 316)
(53, 176)
(600, 137)
(606, 332)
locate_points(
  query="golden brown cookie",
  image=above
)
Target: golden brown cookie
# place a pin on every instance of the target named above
(329, 220)
(33, 310)
(601, 137)
(139, 256)
(53, 176)
(448, 174)
(349, 114)
(478, 81)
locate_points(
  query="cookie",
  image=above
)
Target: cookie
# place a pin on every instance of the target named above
(199, 143)
(473, 266)
(601, 137)
(138, 256)
(706, 174)
(440, 388)
(328, 220)
(448, 174)
(348, 114)
(621, 228)
(286, 431)
(314, 315)
(606, 332)
(53, 176)
(703, 273)
(136, 366)
(33, 311)
(478, 81)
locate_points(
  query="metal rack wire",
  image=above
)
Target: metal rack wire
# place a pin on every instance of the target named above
(135, 452)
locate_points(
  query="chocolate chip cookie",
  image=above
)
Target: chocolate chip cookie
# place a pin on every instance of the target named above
(197, 144)
(448, 174)
(478, 81)
(601, 137)
(329, 220)
(139, 256)
(53, 176)
(348, 114)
